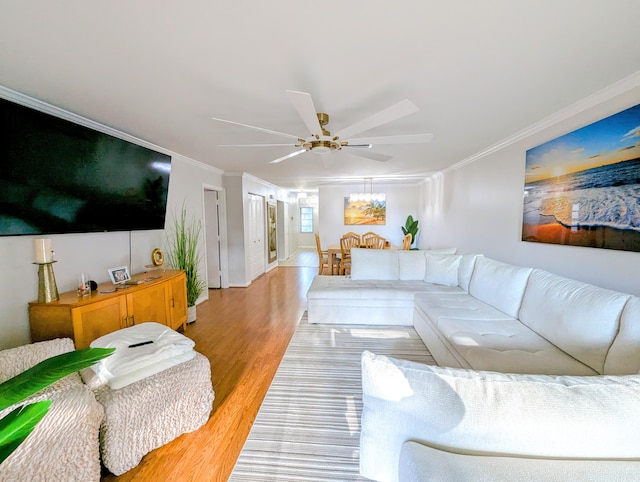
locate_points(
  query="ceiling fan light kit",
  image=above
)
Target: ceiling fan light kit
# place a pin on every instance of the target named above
(320, 140)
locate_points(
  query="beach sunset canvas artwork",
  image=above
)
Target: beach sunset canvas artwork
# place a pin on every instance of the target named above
(365, 212)
(583, 189)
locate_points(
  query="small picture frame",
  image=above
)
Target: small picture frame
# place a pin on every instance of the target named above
(119, 275)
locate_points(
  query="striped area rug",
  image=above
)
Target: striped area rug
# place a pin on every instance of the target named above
(308, 426)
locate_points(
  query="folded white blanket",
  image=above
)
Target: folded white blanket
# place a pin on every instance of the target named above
(128, 363)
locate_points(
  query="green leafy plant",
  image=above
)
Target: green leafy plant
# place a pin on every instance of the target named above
(410, 226)
(16, 426)
(183, 253)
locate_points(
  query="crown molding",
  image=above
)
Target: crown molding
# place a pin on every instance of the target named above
(599, 97)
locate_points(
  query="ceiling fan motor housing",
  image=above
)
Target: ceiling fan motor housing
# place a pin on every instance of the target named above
(322, 145)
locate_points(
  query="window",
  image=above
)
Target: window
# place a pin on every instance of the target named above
(306, 220)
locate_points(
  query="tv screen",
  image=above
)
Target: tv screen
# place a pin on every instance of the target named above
(57, 176)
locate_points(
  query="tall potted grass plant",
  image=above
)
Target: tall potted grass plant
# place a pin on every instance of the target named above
(183, 253)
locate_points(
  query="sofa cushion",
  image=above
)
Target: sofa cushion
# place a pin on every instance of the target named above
(623, 357)
(411, 265)
(578, 318)
(467, 264)
(487, 413)
(337, 288)
(374, 264)
(457, 305)
(488, 339)
(442, 269)
(507, 346)
(499, 284)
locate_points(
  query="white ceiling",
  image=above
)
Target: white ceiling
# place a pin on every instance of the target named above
(479, 70)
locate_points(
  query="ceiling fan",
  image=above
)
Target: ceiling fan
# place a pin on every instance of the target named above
(321, 141)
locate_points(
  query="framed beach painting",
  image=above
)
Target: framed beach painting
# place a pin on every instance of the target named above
(364, 212)
(583, 189)
(272, 233)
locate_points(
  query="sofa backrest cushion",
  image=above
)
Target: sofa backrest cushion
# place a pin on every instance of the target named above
(442, 269)
(374, 264)
(467, 264)
(623, 357)
(490, 413)
(411, 265)
(442, 251)
(499, 284)
(578, 318)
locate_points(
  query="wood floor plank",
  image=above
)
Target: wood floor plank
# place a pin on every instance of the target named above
(244, 332)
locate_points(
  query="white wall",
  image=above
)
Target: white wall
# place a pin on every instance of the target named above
(238, 187)
(186, 188)
(402, 200)
(478, 208)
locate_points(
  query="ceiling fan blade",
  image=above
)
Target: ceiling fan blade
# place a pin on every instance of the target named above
(256, 145)
(396, 111)
(256, 128)
(307, 111)
(402, 139)
(288, 156)
(374, 156)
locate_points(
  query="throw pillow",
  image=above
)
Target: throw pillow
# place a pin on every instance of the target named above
(374, 264)
(411, 265)
(442, 269)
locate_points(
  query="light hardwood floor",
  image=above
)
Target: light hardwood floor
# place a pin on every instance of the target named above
(302, 257)
(244, 332)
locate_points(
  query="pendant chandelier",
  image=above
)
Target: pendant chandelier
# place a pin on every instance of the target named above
(367, 196)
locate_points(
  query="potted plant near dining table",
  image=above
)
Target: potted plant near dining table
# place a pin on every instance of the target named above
(183, 253)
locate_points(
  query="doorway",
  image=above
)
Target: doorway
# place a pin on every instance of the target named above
(257, 233)
(214, 230)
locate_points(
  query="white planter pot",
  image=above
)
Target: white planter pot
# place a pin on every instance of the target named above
(191, 314)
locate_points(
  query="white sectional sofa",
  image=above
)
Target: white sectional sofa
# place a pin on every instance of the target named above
(379, 291)
(475, 312)
(553, 337)
(429, 423)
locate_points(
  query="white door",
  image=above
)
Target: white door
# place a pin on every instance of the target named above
(256, 236)
(212, 235)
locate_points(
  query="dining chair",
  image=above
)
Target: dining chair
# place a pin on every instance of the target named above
(346, 243)
(366, 235)
(351, 233)
(325, 261)
(375, 242)
(406, 241)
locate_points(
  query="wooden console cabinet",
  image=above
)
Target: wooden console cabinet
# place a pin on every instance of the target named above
(162, 299)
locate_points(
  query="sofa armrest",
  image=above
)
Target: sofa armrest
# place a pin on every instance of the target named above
(487, 413)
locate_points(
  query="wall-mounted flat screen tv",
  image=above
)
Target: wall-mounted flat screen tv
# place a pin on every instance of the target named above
(57, 176)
